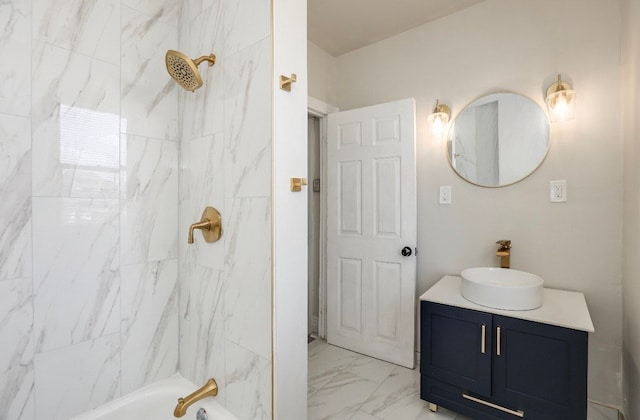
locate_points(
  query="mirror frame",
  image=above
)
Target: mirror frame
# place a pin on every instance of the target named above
(468, 105)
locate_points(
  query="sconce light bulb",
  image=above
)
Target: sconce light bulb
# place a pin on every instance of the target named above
(560, 101)
(561, 107)
(438, 125)
(439, 118)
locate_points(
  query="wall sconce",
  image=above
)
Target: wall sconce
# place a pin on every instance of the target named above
(439, 118)
(561, 101)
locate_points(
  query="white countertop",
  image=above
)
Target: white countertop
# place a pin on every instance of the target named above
(560, 307)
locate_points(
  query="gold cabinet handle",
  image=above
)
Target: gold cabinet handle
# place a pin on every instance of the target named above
(483, 340)
(498, 341)
(518, 413)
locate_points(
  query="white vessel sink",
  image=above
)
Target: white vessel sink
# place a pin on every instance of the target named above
(502, 288)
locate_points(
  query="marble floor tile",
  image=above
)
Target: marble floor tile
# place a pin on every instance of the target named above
(369, 368)
(361, 415)
(340, 398)
(316, 346)
(397, 397)
(327, 363)
(310, 391)
(348, 385)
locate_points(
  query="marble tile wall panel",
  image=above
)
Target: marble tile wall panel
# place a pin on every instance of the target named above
(247, 121)
(185, 265)
(149, 96)
(15, 48)
(75, 124)
(245, 23)
(203, 111)
(248, 267)
(167, 11)
(248, 383)
(16, 352)
(15, 190)
(76, 270)
(149, 205)
(87, 27)
(77, 378)
(149, 323)
(205, 338)
(61, 92)
(204, 169)
(226, 154)
(190, 10)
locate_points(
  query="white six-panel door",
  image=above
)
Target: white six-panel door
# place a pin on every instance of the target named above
(371, 217)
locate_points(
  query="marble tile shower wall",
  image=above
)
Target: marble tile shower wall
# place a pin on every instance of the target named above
(225, 162)
(88, 203)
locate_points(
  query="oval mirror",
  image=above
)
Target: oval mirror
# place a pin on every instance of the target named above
(498, 140)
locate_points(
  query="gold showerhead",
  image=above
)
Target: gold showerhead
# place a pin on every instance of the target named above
(185, 70)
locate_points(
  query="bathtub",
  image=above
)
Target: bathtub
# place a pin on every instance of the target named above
(157, 401)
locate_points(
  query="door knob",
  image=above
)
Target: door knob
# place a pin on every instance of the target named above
(406, 251)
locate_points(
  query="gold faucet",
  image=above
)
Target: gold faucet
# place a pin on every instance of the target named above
(210, 389)
(504, 252)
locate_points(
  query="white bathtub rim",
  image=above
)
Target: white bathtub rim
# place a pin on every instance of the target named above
(182, 385)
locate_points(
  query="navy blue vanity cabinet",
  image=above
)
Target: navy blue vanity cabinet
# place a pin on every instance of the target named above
(494, 367)
(452, 341)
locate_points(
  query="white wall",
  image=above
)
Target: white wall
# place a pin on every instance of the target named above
(631, 268)
(322, 74)
(89, 193)
(226, 162)
(501, 45)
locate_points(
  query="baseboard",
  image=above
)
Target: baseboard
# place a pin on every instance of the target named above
(621, 415)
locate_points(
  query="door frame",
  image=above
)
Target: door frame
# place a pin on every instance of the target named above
(319, 109)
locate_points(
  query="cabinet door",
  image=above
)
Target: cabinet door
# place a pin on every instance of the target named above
(456, 346)
(541, 367)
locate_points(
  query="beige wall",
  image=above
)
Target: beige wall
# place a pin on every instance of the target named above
(501, 45)
(631, 267)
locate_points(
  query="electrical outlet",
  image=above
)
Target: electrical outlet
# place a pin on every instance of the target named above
(558, 191)
(445, 195)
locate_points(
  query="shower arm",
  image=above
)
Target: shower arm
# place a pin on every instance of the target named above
(211, 58)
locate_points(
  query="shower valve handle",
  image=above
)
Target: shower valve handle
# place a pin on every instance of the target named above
(210, 224)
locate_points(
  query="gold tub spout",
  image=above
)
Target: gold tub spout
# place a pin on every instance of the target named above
(210, 389)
